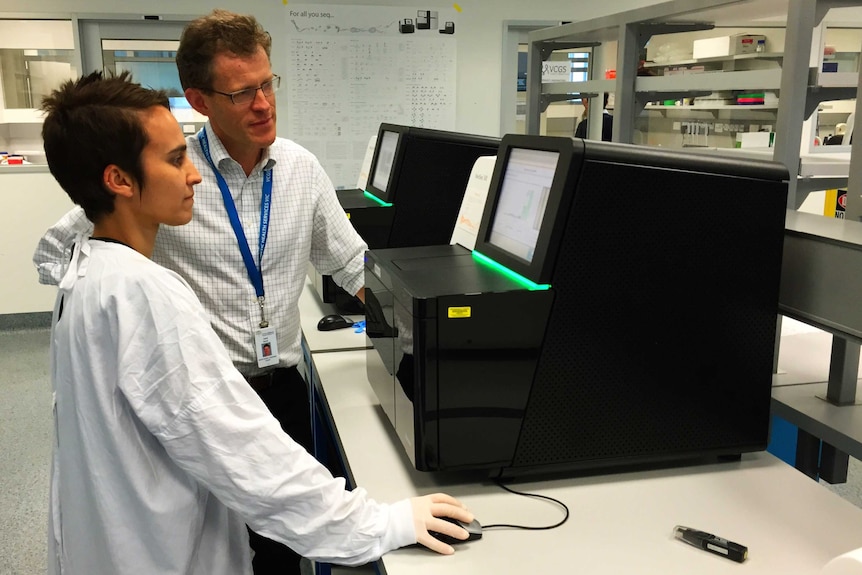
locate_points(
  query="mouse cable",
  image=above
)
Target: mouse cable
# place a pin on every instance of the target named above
(529, 527)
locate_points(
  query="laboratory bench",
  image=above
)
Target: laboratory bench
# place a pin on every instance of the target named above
(820, 279)
(620, 521)
(799, 393)
(311, 309)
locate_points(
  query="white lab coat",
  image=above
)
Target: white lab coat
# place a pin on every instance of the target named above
(163, 452)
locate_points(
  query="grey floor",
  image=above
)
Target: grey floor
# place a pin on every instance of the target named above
(25, 437)
(25, 450)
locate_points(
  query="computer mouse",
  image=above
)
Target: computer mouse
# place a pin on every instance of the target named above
(474, 529)
(333, 321)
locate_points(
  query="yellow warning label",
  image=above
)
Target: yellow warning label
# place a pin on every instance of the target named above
(460, 312)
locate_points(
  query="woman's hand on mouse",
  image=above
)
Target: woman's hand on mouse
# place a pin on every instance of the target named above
(427, 511)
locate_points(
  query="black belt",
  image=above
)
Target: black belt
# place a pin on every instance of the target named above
(262, 381)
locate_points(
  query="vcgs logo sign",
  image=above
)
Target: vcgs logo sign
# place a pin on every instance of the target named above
(556, 71)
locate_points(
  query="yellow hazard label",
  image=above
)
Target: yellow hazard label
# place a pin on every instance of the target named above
(460, 312)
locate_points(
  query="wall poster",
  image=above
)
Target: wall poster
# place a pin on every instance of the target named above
(349, 68)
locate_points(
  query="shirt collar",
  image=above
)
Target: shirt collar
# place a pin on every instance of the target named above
(220, 155)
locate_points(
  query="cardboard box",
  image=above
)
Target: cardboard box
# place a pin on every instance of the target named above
(726, 45)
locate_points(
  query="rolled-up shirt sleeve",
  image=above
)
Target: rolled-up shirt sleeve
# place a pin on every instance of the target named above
(337, 249)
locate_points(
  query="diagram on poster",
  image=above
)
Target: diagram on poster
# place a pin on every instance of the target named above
(349, 68)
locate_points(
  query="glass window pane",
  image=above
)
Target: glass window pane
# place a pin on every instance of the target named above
(30, 75)
(36, 56)
(152, 63)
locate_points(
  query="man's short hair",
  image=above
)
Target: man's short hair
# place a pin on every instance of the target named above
(91, 123)
(218, 32)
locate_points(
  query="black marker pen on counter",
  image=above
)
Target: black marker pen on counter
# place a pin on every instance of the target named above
(711, 543)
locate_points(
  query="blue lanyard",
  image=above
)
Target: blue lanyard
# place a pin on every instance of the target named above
(255, 273)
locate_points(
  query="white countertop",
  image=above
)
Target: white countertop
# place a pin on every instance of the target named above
(620, 523)
(311, 309)
(804, 354)
(25, 169)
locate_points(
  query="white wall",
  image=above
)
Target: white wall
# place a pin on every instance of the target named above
(31, 202)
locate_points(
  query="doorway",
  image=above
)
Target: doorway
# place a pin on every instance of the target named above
(148, 50)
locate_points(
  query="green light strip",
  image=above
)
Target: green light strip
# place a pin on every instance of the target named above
(529, 284)
(376, 199)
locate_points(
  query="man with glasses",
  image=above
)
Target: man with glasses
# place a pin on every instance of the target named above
(263, 210)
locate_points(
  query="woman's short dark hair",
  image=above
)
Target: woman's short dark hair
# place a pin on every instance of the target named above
(91, 123)
(218, 32)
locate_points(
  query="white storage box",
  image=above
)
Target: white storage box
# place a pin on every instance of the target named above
(755, 139)
(726, 45)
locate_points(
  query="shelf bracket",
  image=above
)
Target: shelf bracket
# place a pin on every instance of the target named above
(547, 48)
(547, 99)
(805, 186)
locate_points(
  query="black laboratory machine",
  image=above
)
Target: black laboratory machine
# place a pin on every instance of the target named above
(619, 308)
(415, 186)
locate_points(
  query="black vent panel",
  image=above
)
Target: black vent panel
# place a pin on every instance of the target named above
(661, 337)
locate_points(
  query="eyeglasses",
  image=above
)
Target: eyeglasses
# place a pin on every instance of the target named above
(248, 95)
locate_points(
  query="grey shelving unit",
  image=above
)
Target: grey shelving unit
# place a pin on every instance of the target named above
(799, 93)
(823, 256)
(821, 279)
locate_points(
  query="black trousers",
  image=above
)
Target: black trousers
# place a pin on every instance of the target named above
(287, 399)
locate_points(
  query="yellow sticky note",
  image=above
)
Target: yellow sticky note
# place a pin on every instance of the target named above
(456, 7)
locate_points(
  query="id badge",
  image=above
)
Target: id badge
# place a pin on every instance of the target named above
(267, 347)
